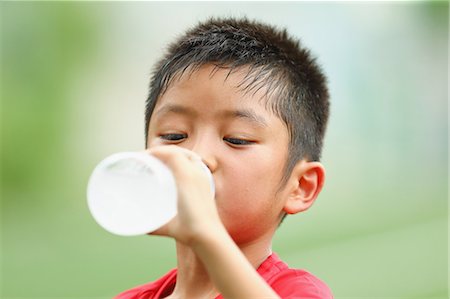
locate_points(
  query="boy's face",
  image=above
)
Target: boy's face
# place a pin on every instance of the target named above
(243, 144)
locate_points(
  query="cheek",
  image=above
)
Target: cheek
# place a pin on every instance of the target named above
(267, 170)
(251, 176)
(248, 183)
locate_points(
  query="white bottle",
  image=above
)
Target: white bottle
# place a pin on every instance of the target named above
(133, 193)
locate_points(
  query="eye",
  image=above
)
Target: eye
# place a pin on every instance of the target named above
(238, 141)
(173, 137)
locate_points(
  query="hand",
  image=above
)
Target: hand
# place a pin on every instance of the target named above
(197, 212)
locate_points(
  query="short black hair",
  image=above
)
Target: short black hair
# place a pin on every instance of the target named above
(295, 85)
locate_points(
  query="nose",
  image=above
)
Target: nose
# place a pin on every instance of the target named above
(206, 151)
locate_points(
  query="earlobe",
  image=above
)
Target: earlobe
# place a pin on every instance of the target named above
(308, 179)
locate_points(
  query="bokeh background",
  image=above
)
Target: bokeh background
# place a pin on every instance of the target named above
(74, 80)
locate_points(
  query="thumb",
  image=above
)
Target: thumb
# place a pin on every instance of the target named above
(164, 230)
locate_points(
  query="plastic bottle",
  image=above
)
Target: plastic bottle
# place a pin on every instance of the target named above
(133, 193)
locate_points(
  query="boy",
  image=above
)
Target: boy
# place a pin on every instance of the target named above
(253, 105)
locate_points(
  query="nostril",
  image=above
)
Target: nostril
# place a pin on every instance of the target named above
(210, 163)
(206, 153)
(207, 164)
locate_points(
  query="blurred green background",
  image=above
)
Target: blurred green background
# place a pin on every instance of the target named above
(74, 80)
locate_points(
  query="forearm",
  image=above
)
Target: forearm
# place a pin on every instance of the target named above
(229, 269)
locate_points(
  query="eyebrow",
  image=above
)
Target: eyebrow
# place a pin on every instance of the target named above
(245, 114)
(248, 115)
(177, 109)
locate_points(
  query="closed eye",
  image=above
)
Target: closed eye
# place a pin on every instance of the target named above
(237, 141)
(173, 137)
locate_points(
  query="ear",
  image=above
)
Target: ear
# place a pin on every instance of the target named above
(307, 181)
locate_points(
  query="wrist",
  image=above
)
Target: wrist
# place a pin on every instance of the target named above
(208, 237)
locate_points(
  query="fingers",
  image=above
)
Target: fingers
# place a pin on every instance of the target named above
(196, 205)
(181, 161)
(163, 230)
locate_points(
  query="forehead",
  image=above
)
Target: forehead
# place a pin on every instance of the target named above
(213, 85)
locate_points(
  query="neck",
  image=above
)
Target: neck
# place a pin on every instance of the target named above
(192, 278)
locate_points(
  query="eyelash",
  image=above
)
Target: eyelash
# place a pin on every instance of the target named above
(238, 141)
(175, 137)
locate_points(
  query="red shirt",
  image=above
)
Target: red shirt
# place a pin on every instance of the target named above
(286, 282)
